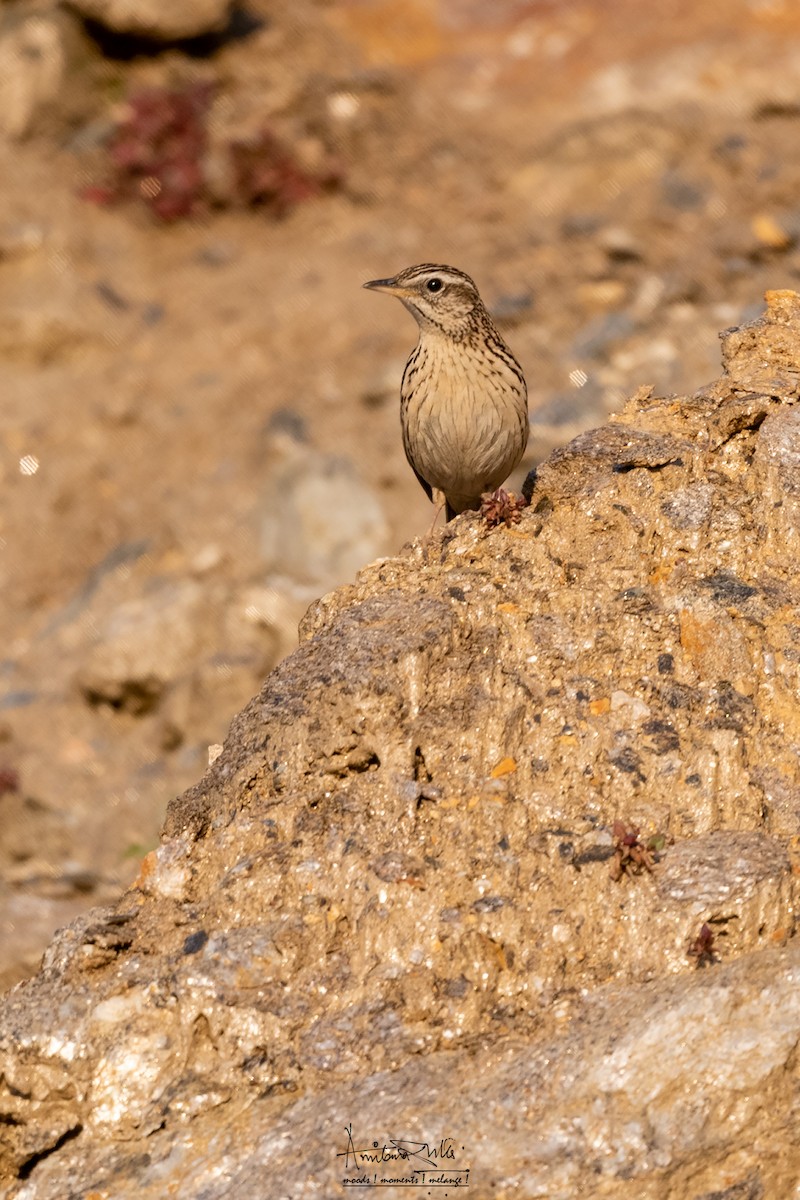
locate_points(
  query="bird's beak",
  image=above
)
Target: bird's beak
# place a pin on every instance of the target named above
(383, 285)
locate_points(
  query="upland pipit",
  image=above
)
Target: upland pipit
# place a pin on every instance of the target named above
(463, 400)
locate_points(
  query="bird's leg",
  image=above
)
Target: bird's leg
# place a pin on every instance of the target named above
(440, 503)
(439, 500)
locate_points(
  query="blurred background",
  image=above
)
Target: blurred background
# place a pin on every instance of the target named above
(200, 404)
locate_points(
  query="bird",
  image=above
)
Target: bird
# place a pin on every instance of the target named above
(463, 398)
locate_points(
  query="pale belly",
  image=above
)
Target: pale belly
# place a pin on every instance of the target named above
(466, 439)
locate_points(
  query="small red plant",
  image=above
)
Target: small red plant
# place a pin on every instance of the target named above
(158, 154)
(631, 856)
(702, 947)
(9, 780)
(157, 151)
(266, 174)
(502, 508)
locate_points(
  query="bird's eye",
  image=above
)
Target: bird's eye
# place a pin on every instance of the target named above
(434, 285)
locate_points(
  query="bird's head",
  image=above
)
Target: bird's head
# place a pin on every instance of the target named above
(441, 299)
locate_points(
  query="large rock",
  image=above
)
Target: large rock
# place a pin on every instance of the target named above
(410, 900)
(154, 19)
(145, 646)
(335, 518)
(35, 51)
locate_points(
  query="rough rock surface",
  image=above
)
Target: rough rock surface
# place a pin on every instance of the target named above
(505, 853)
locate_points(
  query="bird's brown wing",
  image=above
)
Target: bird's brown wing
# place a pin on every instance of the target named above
(405, 388)
(426, 487)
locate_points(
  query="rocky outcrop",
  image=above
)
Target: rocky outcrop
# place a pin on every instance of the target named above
(501, 860)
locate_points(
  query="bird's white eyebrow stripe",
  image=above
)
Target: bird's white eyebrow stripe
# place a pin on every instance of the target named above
(446, 274)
